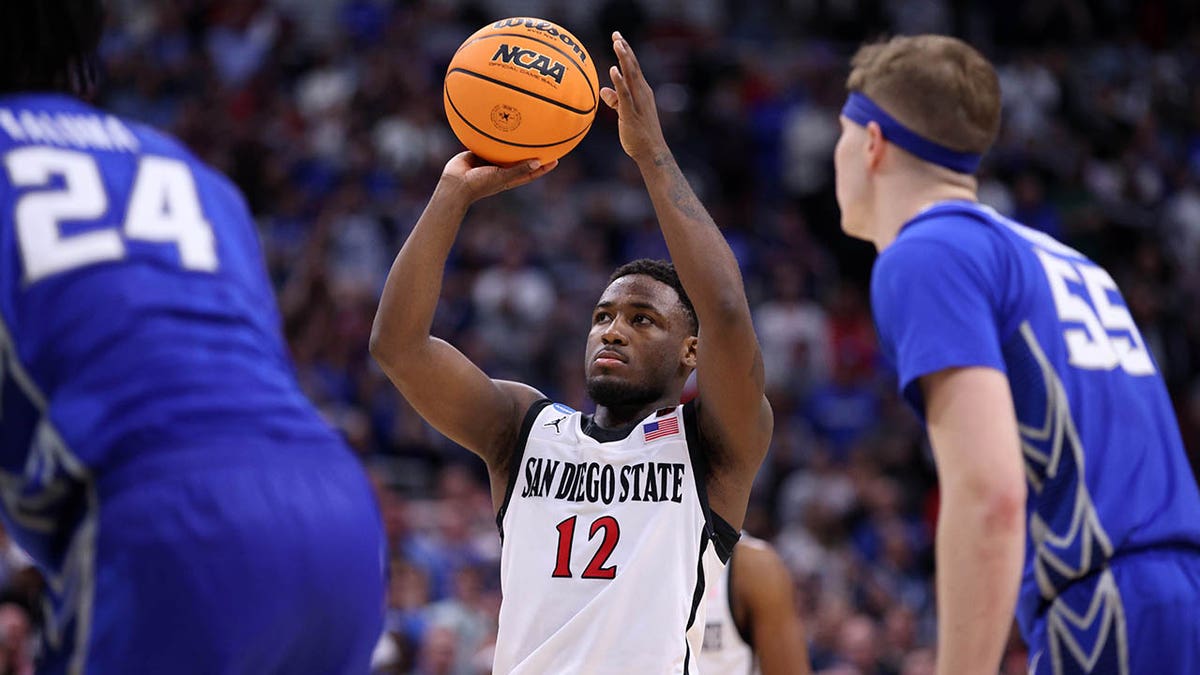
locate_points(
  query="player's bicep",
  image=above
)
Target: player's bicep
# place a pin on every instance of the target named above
(736, 423)
(730, 378)
(459, 400)
(973, 430)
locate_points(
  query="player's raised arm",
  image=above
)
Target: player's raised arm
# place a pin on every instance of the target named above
(450, 392)
(734, 414)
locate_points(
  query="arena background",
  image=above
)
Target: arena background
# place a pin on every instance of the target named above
(329, 116)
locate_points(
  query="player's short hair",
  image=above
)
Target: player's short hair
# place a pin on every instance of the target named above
(664, 271)
(938, 86)
(50, 45)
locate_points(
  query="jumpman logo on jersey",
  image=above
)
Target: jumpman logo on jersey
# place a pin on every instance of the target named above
(555, 423)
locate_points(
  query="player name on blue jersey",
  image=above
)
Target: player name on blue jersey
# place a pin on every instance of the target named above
(84, 131)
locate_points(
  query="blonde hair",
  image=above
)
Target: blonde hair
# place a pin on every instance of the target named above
(938, 86)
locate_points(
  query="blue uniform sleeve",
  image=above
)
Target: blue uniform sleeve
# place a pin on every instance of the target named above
(935, 308)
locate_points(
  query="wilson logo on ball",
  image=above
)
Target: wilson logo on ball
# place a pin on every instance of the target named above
(547, 28)
(531, 60)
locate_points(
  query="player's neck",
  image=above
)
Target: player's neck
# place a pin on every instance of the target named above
(901, 197)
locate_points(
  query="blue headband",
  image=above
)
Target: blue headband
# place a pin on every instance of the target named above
(862, 110)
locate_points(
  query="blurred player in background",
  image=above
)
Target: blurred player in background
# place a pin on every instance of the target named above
(752, 624)
(605, 520)
(1065, 491)
(189, 509)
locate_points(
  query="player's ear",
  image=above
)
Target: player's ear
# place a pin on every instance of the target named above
(874, 145)
(687, 354)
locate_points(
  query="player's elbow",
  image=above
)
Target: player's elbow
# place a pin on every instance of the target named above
(1002, 507)
(402, 359)
(381, 347)
(991, 503)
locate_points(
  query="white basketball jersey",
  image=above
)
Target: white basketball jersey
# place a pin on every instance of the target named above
(725, 651)
(604, 551)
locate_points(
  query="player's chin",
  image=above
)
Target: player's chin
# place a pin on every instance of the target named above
(852, 227)
(846, 213)
(611, 390)
(611, 386)
(605, 376)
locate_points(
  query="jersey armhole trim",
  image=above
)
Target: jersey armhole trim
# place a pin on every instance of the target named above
(726, 537)
(697, 598)
(515, 457)
(716, 528)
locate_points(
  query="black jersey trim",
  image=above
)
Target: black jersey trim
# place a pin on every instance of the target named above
(587, 424)
(515, 457)
(724, 535)
(698, 594)
(697, 597)
(727, 536)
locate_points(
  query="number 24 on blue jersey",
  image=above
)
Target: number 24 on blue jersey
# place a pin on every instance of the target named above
(163, 208)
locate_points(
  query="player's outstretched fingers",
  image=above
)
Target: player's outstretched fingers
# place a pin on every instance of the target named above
(609, 96)
(630, 66)
(621, 86)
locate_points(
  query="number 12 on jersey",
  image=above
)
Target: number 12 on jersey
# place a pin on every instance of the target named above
(595, 568)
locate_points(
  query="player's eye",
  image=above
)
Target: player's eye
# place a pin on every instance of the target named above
(642, 320)
(600, 317)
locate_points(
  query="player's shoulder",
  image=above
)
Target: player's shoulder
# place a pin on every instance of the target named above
(754, 552)
(155, 141)
(757, 567)
(749, 542)
(963, 227)
(535, 417)
(526, 400)
(948, 239)
(972, 227)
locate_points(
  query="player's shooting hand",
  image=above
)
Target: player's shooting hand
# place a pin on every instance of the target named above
(632, 98)
(476, 178)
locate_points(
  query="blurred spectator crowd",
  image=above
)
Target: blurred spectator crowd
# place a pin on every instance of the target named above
(329, 117)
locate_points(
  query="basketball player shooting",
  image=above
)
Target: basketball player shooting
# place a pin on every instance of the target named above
(1065, 491)
(608, 522)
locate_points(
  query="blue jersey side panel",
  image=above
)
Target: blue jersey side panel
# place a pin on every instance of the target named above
(962, 286)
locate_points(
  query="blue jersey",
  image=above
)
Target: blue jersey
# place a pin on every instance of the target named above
(135, 313)
(1107, 473)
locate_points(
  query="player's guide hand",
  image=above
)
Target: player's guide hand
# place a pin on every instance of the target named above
(633, 99)
(475, 178)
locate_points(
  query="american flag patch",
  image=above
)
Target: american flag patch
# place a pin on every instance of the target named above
(660, 428)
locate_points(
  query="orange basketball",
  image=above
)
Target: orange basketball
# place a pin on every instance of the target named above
(521, 89)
